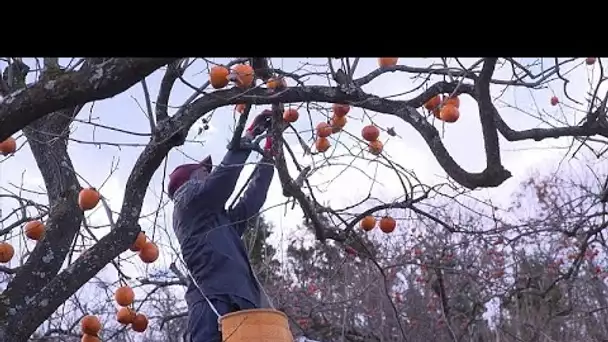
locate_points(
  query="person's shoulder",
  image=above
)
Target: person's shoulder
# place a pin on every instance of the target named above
(183, 195)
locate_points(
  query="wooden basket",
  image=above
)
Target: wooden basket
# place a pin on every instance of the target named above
(255, 325)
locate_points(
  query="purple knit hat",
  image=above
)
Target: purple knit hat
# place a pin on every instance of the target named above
(181, 174)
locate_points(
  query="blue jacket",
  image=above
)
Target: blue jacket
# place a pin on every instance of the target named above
(210, 235)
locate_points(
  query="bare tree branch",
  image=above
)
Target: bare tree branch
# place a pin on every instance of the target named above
(114, 76)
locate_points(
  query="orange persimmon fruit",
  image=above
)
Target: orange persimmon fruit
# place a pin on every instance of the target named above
(34, 230)
(218, 76)
(368, 223)
(90, 325)
(322, 144)
(291, 115)
(139, 242)
(149, 252)
(7, 251)
(340, 109)
(370, 133)
(8, 146)
(375, 147)
(449, 113)
(88, 198)
(387, 61)
(124, 296)
(140, 323)
(323, 129)
(337, 123)
(244, 75)
(125, 315)
(387, 224)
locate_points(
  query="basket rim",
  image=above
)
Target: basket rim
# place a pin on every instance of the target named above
(253, 311)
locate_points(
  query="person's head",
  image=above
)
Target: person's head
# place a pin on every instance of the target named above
(185, 172)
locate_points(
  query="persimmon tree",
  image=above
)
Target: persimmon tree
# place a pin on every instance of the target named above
(432, 283)
(314, 108)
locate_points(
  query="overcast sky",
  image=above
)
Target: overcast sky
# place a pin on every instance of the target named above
(462, 139)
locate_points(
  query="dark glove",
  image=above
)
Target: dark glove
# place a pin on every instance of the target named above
(261, 123)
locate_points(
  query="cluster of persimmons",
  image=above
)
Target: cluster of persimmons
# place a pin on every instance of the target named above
(90, 325)
(124, 297)
(88, 199)
(243, 76)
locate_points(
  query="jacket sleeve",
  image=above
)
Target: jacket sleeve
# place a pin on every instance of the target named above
(215, 190)
(254, 196)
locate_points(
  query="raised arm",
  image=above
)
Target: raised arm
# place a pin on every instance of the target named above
(254, 196)
(216, 188)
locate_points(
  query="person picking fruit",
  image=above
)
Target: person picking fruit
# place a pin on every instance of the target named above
(222, 279)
